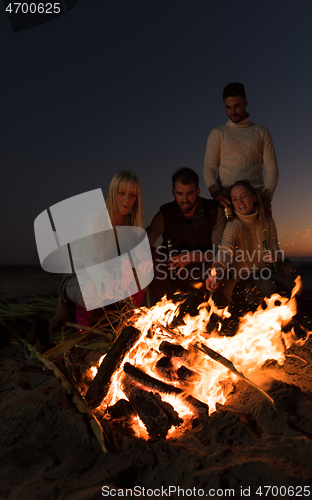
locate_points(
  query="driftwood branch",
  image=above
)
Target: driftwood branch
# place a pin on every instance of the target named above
(228, 364)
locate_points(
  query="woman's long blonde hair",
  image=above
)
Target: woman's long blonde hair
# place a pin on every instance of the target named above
(123, 180)
(264, 226)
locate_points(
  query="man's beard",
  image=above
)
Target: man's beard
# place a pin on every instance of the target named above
(187, 209)
(240, 119)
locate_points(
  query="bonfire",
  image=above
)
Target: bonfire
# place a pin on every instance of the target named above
(161, 373)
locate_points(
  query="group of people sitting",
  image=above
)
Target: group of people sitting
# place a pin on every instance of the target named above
(238, 260)
(229, 258)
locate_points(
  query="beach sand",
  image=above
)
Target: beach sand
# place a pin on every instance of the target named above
(48, 451)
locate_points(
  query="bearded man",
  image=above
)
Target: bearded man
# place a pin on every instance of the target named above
(194, 225)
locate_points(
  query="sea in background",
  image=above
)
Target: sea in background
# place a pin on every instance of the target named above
(18, 282)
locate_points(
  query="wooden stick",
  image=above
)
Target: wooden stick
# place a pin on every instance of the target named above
(228, 364)
(89, 329)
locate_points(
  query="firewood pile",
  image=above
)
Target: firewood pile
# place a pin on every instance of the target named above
(143, 391)
(160, 374)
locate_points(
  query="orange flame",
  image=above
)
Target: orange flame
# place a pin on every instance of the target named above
(259, 337)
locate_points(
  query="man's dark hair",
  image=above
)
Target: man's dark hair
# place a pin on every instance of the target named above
(233, 89)
(185, 176)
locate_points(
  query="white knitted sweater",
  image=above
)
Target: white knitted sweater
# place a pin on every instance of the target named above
(240, 151)
(233, 250)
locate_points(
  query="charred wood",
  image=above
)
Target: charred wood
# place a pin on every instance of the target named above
(145, 380)
(185, 375)
(148, 381)
(157, 416)
(166, 369)
(112, 361)
(173, 350)
(197, 406)
(120, 410)
(172, 415)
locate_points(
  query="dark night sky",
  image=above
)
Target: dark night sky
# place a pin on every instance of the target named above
(137, 84)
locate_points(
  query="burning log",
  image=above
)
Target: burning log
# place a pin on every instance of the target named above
(148, 381)
(184, 374)
(165, 368)
(157, 416)
(173, 350)
(142, 378)
(121, 409)
(112, 361)
(197, 406)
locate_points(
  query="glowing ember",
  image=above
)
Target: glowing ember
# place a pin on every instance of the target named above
(259, 338)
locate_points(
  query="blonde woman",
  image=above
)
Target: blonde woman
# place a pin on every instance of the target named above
(101, 276)
(248, 244)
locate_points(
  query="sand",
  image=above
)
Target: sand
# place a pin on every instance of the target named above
(49, 452)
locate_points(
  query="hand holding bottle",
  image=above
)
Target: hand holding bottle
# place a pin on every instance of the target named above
(211, 282)
(222, 198)
(268, 256)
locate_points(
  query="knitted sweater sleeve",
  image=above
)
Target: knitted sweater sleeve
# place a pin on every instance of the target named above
(212, 160)
(270, 165)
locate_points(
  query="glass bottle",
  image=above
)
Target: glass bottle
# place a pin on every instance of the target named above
(170, 254)
(266, 249)
(228, 213)
(170, 248)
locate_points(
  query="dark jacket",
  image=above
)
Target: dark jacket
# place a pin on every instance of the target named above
(192, 235)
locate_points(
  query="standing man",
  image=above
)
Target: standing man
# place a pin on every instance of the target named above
(194, 225)
(240, 150)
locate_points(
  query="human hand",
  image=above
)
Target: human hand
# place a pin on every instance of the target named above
(145, 267)
(180, 260)
(269, 257)
(110, 285)
(126, 274)
(211, 282)
(222, 199)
